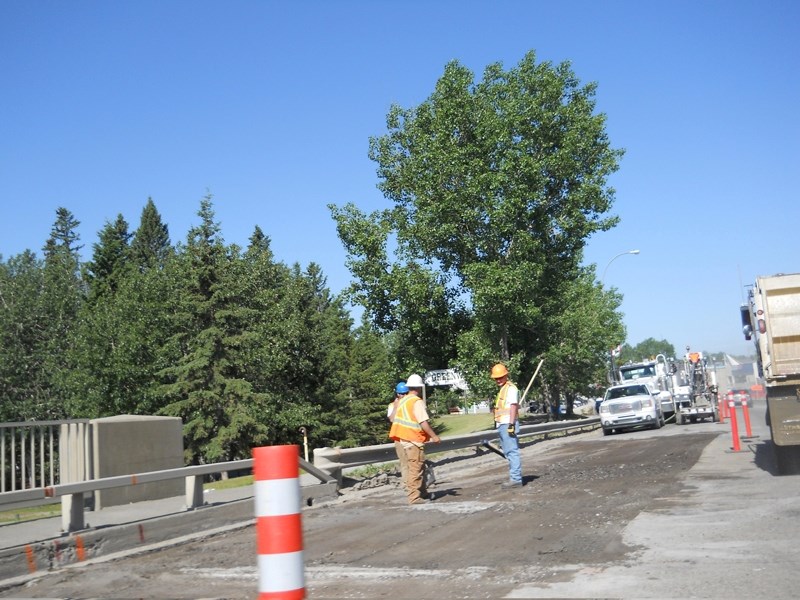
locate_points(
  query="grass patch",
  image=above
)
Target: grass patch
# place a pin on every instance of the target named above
(30, 513)
(225, 484)
(367, 471)
(459, 424)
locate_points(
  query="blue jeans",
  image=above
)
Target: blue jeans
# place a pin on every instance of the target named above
(510, 446)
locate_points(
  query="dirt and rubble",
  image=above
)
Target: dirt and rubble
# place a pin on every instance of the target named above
(473, 540)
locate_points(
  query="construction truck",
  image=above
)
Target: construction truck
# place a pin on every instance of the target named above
(656, 374)
(771, 318)
(697, 400)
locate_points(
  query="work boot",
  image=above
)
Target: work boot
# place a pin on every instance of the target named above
(510, 484)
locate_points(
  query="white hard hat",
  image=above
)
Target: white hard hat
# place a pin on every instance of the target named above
(415, 381)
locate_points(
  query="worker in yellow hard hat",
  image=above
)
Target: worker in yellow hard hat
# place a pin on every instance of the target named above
(506, 414)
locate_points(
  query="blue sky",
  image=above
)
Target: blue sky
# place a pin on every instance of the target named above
(269, 106)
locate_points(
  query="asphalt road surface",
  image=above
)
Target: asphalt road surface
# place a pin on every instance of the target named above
(671, 513)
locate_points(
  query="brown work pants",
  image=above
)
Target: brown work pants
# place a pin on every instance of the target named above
(401, 457)
(415, 461)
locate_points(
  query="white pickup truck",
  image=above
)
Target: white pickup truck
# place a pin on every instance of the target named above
(628, 406)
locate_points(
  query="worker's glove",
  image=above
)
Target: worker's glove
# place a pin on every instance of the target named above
(511, 431)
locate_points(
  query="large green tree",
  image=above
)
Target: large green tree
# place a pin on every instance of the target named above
(584, 326)
(119, 333)
(296, 359)
(496, 186)
(25, 387)
(401, 294)
(367, 390)
(63, 294)
(205, 384)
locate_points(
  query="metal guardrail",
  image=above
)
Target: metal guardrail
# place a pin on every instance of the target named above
(334, 460)
(327, 469)
(71, 494)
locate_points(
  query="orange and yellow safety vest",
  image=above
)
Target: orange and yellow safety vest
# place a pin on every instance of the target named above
(404, 426)
(501, 409)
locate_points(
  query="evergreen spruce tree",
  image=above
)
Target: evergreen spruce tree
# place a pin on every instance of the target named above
(110, 259)
(368, 390)
(205, 386)
(150, 246)
(328, 345)
(116, 351)
(63, 295)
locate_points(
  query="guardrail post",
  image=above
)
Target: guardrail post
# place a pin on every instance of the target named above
(72, 518)
(194, 491)
(329, 460)
(279, 530)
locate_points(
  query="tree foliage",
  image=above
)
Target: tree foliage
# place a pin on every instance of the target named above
(244, 349)
(150, 246)
(647, 349)
(25, 385)
(494, 187)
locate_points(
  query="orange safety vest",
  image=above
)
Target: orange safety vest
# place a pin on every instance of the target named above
(501, 409)
(404, 426)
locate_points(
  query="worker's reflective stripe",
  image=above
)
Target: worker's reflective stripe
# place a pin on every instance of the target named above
(407, 423)
(281, 575)
(277, 497)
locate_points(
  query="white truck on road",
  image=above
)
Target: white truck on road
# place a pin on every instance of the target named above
(656, 374)
(700, 402)
(771, 317)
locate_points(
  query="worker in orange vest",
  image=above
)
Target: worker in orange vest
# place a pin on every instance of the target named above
(506, 411)
(411, 429)
(400, 390)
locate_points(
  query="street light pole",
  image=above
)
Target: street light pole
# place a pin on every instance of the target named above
(615, 258)
(611, 368)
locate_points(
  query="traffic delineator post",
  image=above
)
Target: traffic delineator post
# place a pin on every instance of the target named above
(723, 412)
(734, 427)
(746, 413)
(279, 530)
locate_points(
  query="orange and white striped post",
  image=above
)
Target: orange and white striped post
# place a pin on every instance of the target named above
(279, 530)
(734, 427)
(747, 429)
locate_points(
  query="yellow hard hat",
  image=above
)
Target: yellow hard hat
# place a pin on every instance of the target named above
(499, 370)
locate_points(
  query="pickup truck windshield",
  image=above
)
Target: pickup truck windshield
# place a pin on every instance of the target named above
(628, 390)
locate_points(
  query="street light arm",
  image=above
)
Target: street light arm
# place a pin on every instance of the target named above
(602, 279)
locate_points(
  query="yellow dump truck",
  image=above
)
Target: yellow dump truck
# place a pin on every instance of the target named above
(771, 318)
